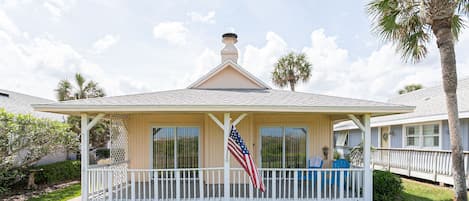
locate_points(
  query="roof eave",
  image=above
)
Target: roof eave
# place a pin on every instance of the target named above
(67, 109)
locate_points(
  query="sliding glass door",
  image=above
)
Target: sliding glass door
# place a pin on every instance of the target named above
(283, 147)
(175, 147)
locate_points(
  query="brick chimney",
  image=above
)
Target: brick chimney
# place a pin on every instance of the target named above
(229, 52)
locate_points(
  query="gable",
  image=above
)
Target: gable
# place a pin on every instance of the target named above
(228, 76)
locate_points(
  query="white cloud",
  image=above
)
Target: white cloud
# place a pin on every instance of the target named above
(6, 24)
(377, 76)
(104, 43)
(58, 7)
(259, 60)
(34, 65)
(173, 32)
(197, 17)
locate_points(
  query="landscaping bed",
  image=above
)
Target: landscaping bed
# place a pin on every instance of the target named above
(21, 194)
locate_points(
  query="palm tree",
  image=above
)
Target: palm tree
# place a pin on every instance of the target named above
(409, 88)
(410, 24)
(290, 69)
(81, 90)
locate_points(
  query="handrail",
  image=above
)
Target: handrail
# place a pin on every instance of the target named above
(417, 150)
(234, 169)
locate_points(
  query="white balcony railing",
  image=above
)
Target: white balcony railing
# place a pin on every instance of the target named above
(207, 183)
(433, 165)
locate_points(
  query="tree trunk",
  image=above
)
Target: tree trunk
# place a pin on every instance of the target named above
(442, 30)
(292, 85)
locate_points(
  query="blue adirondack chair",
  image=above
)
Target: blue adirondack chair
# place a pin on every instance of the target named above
(335, 175)
(313, 163)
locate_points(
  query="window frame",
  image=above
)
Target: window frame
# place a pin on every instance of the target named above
(420, 143)
(199, 162)
(259, 149)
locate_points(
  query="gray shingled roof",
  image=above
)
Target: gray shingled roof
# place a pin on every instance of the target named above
(240, 98)
(430, 104)
(21, 104)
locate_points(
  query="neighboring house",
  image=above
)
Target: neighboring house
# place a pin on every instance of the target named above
(414, 144)
(425, 128)
(18, 103)
(171, 145)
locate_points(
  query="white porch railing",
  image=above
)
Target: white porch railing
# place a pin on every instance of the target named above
(433, 165)
(207, 183)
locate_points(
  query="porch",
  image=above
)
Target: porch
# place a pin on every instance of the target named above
(169, 179)
(432, 165)
(114, 183)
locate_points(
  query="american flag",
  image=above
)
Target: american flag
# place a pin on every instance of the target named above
(240, 152)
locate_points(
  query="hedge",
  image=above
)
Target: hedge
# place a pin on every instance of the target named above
(386, 186)
(58, 172)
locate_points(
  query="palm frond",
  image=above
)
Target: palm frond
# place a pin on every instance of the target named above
(402, 23)
(457, 24)
(290, 69)
(462, 6)
(64, 90)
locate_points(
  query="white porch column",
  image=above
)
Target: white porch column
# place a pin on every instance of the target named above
(368, 178)
(86, 125)
(226, 134)
(84, 156)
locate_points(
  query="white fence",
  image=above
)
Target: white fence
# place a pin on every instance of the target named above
(433, 165)
(207, 183)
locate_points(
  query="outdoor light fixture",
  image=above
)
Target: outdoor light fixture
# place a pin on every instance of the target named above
(325, 151)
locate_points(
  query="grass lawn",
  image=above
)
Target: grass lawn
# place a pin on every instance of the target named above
(60, 195)
(417, 191)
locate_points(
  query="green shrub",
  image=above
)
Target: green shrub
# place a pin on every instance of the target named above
(336, 155)
(24, 140)
(103, 153)
(58, 172)
(386, 186)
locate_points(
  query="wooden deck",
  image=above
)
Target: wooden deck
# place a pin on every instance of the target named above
(432, 165)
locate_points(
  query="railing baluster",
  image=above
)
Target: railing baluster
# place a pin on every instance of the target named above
(109, 184)
(177, 179)
(201, 184)
(295, 185)
(341, 184)
(132, 185)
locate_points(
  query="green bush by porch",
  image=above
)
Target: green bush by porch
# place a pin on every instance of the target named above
(58, 172)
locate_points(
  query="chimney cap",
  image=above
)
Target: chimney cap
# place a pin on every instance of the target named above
(231, 35)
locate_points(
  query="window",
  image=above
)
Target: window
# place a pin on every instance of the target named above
(413, 135)
(283, 147)
(342, 139)
(430, 135)
(175, 147)
(426, 135)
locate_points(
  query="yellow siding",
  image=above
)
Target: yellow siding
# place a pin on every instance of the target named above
(211, 139)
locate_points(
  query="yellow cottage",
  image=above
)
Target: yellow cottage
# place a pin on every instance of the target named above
(171, 145)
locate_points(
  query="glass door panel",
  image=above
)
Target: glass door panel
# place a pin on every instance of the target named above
(163, 148)
(272, 147)
(295, 147)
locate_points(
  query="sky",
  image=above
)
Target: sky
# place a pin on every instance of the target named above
(131, 47)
